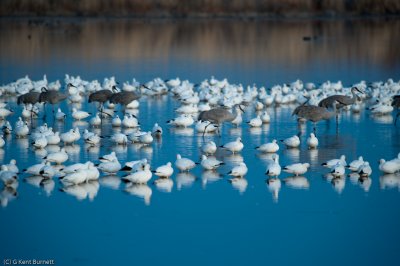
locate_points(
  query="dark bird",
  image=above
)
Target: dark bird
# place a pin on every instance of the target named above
(341, 100)
(314, 113)
(396, 104)
(52, 97)
(31, 97)
(101, 97)
(219, 115)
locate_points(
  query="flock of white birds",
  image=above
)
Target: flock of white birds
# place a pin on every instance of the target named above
(82, 179)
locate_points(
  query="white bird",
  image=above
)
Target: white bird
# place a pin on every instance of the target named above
(205, 126)
(209, 147)
(53, 139)
(119, 138)
(292, 142)
(234, 146)
(265, 117)
(183, 120)
(157, 130)
(79, 114)
(274, 168)
(116, 121)
(35, 169)
(139, 177)
(70, 136)
(92, 173)
(184, 164)
(47, 171)
(110, 167)
(365, 169)
(389, 167)
(60, 115)
(312, 141)
(57, 157)
(12, 166)
(93, 139)
(40, 142)
(210, 163)
(333, 162)
(270, 147)
(338, 170)
(130, 121)
(255, 122)
(239, 170)
(297, 168)
(95, 121)
(134, 166)
(355, 165)
(22, 131)
(2, 141)
(108, 157)
(165, 170)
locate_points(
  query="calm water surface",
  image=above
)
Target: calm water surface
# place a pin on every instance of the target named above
(204, 220)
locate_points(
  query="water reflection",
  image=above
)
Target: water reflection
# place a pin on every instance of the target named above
(297, 182)
(184, 180)
(139, 190)
(239, 183)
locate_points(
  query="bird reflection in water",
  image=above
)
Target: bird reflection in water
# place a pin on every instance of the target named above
(164, 184)
(110, 181)
(239, 183)
(297, 182)
(389, 181)
(209, 176)
(274, 186)
(139, 190)
(184, 179)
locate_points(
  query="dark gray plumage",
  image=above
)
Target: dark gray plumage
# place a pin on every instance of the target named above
(396, 104)
(100, 96)
(52, 97)
(342, 100)
(314, 113)
(31, 97)
(219, 115)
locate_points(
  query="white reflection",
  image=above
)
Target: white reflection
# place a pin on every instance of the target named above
(81, 124)
(1, 154)
(233, 158)
(22, 143)
(52, 148)
(110, 181)
(389, 181)
(382, 119)
(164, 184)
(354, 178)
(183, 131)
(184, 179)
(293, 153)
(338, 184)
(209, 176)
(77, 191)
(40, 153)
(47, 185)
(7, 195)
(239, 183)
(235, 131)
(365, 183)
(256, 131)
(92, 188)
(297, 182)
(313, 156)
(140, 190)
(34, 180)
(274, 186)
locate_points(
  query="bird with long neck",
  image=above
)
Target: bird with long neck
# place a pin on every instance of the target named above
(219, 115)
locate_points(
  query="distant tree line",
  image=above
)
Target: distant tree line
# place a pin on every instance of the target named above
(199, 8)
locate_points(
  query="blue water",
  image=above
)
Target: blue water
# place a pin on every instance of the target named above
(208, 222)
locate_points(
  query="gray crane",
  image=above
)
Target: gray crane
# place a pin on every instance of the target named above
(126, 97)
(341, 100)
(219, 115)
(314, 113)
(52, 97)
(396, 104)
(32, 98)
(101, 97)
